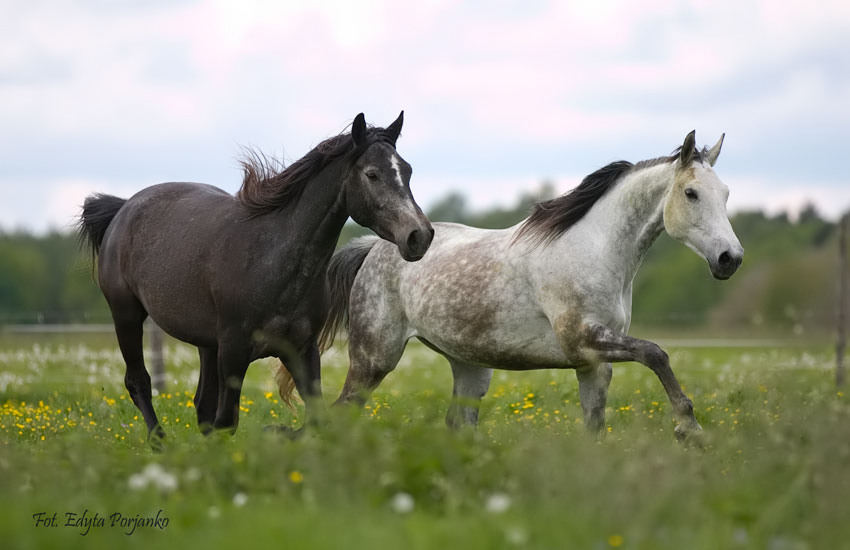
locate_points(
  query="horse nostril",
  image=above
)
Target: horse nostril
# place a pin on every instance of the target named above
(431, 230)
(412, 239)
(725, 259)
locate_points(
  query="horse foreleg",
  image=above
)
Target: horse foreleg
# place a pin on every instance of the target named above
(593, 382)
(206, 397)
(232, 365)
(470, 386)
(594, 343)
(306, 371)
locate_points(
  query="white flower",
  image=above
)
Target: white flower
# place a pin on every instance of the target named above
(155, 475)
(498, 503)
(402, 503)
(240, 499)
(516, 535)
(138, 482)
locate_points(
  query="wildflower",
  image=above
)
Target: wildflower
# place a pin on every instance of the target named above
(402, 503)
(240, 499)
(153, 475)
(497, 503)
(615, 541)
(296, 477)
(516, 535)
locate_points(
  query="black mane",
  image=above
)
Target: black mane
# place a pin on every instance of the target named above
(552, 218)
(267, 184)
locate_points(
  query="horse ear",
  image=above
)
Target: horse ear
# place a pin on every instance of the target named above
(714, 152)
(394, 129)
(686, 155)
(358, 130)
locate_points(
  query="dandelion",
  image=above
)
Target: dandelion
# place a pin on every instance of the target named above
(615, 541)
(240, 499)
(296, 477)
(402, 503)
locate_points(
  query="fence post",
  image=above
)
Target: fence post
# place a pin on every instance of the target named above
(157, 357)
(842, 300)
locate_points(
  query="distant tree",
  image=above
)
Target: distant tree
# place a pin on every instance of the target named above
(452, 208)
(809, 214)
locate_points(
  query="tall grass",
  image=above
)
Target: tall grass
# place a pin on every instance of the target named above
(775, 472)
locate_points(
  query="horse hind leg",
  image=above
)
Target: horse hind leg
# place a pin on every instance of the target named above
(373, 353)
(129, 317)
(470, 386)
(593, 382)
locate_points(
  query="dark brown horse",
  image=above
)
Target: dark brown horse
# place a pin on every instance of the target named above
(244, 277)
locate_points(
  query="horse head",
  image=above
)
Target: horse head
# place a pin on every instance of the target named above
(695, 209)
(377, 190)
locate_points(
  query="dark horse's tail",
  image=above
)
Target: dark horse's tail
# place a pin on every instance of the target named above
(341, 273)
(98, 211)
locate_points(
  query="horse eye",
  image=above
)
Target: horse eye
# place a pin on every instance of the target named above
(691, 194)
(372, 175)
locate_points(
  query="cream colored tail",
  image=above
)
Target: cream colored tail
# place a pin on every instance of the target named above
(286, 387)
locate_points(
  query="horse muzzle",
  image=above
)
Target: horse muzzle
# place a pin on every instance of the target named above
(414, 246)
(726, 264)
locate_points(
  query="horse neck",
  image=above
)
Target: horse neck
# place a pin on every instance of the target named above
(314, 221)
(628, 219)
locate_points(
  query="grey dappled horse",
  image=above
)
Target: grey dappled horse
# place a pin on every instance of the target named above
(555, 291)
(244, 277)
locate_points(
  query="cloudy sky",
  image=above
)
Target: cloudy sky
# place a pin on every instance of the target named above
(113, 96)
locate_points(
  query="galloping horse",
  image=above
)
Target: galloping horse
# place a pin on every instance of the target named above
(555, 291)
(244, 277)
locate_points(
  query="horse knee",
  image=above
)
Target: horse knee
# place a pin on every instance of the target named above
(655, 355)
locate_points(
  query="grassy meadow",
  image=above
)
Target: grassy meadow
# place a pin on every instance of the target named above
(75, 470)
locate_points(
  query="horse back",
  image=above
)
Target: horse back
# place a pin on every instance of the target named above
(160, 248)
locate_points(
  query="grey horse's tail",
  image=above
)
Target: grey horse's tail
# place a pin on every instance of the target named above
(97, 214)
(341, 273)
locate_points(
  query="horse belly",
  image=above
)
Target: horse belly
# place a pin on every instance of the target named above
(512, 343)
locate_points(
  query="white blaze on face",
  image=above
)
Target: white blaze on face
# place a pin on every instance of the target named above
(397, 170)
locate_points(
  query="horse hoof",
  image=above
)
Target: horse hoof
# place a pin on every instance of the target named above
(286, 431)
(156, 439)
(692, 436)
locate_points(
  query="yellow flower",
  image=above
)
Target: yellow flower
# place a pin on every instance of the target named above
(296, 477)
(615, 541)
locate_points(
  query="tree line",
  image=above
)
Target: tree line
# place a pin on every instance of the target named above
(788, 280)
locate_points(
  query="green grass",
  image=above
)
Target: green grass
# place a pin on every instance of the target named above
(775, 472)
